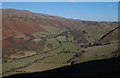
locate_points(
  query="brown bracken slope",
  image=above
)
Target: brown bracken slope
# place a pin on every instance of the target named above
(22, 26)
(27, 22)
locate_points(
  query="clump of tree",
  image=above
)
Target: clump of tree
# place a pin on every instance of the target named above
(49, 45)
(78, 54)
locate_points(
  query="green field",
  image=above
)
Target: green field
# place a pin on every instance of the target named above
(54, 30)
(61, 58)
(37, 67)
(67, 46)
(33, 58)
(8, 66)
(40, 34)
(98, 52)
(12, 65)
(53, 54)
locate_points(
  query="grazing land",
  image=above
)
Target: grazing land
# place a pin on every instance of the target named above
(39, 42)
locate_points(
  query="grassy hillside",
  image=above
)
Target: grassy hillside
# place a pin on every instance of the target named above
(37, 42)
(99, 52)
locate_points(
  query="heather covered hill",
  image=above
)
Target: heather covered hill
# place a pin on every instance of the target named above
(22, 26)
(44, 19)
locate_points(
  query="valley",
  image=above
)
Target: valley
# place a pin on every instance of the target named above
(43, 42)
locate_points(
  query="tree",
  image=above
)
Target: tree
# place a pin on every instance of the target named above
(49, 45)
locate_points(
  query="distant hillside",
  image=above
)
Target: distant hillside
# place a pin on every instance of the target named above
(23, 21)
(28, 22)
(111, 35)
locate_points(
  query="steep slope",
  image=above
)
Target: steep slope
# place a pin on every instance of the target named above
(111, 35)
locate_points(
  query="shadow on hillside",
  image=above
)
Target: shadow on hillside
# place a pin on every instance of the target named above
(106, 67)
